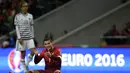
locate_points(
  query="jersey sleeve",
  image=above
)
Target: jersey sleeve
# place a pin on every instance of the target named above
(32, 21)
(16, 20)
(32, 28)
(38, 58)
(57, 54)
(18, 32)
(57, 57)
(17, 27)
(32, 31)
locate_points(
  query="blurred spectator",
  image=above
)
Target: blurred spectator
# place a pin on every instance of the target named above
(116, 37)
(9, 42)
(124, 40)
(2, 17)
(127, 29)
(5, 44)
(10, 14)
(3, 27)
(12, 41)
(123, 33)
(113, 31)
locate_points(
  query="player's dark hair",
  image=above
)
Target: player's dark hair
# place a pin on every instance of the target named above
(48, 36)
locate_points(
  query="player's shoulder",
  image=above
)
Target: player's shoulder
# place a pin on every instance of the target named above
(57, 49)
(30, 15)
(43, 51)
(18, 14)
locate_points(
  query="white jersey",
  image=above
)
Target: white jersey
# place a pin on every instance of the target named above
(24, 26)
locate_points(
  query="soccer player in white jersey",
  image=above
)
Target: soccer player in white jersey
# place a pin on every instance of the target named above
(25, 34)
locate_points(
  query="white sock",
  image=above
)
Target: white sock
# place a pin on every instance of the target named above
(29, 59)
(24, 65)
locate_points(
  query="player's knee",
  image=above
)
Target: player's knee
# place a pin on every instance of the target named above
(34, 71)
(57, 71)
(30, 72)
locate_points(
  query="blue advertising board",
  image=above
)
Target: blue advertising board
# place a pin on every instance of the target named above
(74, 60)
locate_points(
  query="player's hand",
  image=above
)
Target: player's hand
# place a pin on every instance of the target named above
(48, 54)
(35, 52)
(57, 71)
(21, 42)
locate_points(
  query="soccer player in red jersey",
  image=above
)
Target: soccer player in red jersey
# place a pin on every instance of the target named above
(51, 56)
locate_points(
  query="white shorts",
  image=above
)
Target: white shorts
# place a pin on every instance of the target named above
(26, 44)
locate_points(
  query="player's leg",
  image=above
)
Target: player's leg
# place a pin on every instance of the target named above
(31, 46)
(57, 71)
(37, 71)
(44, 71)
(22, 49)
(30, 55)
(33, 71)
(23, 54)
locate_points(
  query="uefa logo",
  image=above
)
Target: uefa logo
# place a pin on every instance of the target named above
(14, 61)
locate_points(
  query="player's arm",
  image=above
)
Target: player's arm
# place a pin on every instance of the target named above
(58, 58)
(32, 23)
(16, 23)
(37, 57)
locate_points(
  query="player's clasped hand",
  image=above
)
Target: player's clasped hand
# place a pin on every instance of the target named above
(21, 42)
(48, 54)
(36, 52)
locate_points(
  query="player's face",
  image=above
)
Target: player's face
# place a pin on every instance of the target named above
(24, 8)
(48, 44)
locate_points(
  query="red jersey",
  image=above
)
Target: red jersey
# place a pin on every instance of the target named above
(53, 62)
